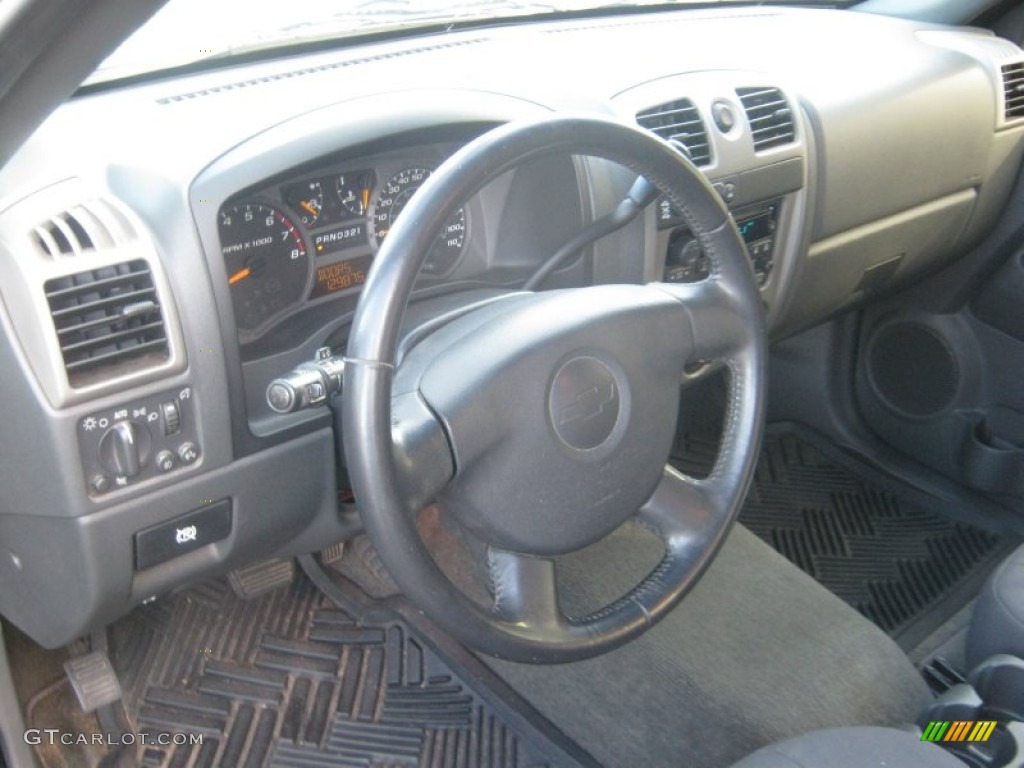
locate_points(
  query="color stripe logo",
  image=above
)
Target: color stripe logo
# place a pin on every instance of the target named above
(958, 730)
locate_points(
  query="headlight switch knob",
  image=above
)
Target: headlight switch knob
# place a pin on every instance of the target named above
(125, 448)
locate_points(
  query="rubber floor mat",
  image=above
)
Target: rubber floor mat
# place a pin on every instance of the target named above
(885, 552)
(287, 680)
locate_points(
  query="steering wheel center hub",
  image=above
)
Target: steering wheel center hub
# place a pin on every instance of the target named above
(584, 404)
(552, 402)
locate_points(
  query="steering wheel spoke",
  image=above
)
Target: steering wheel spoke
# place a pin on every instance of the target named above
(525, 589)
(423, 457)
(717, 321)
(683, 510)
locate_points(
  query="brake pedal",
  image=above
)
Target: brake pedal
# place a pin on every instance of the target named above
(262, 577)
(94, 680)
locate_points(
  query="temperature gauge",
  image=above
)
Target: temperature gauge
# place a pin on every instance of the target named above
(354, 192)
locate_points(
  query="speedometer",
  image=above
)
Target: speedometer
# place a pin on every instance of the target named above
(392, 199)
(266, 262)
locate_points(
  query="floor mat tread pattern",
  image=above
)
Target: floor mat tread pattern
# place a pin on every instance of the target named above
(287, 680)
(891, 558)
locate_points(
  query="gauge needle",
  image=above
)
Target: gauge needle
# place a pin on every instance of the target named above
(239, 275)
(307, 207)
(366, 198)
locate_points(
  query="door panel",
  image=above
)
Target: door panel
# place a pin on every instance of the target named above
(948, 389)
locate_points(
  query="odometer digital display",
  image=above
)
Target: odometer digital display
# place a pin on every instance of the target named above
(340, 276)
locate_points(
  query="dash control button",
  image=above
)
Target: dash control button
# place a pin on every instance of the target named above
(281, 397)
(723, 115)
(165, 461)
(316, 393)
(188, 453)
(172, 417)
(183, 534)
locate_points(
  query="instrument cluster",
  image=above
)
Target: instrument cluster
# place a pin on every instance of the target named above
(314, 236)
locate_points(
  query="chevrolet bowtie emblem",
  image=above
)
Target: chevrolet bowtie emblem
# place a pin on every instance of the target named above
(583, 403)
(588, 404)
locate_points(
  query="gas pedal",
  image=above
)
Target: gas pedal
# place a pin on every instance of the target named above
(94, 680)
(262, 577)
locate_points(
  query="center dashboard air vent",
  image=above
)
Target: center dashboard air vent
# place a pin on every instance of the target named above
(679, 120)
(108, 321)
(1013, 90)
(769, 115)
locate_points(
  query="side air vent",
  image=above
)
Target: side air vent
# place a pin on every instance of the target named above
(82, 228)
(1013, 90)
(769, 115)
(679, 120)
(108, 321)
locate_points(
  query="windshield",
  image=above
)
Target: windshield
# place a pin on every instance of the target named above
(185, 32)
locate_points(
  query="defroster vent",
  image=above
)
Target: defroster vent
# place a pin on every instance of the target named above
(679, 120)
(769, 115)
(1013, 90)
(108, 322)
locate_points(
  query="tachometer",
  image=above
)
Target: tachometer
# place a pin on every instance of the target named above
(390, 202)
(266, 262)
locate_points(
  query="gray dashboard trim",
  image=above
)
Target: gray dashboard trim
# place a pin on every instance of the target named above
(60, 577)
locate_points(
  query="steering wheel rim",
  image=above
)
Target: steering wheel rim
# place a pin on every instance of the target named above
(720, 318)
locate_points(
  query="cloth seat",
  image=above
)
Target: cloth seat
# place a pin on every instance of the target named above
(997, 625)
(854, 747)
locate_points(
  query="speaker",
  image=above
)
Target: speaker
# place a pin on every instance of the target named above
(913, 368)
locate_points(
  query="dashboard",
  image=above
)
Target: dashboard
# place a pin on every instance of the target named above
(297, 249)
(315, 236)
(169, 248)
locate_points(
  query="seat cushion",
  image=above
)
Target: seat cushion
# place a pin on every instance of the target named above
(860, 747)
(998, 622)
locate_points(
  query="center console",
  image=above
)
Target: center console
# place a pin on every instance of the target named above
(981, 720)
(685, 262)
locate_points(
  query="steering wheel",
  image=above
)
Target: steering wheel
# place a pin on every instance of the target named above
(544, 420)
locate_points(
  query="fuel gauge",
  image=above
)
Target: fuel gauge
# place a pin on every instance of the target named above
(354, 192)
(307, 198)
